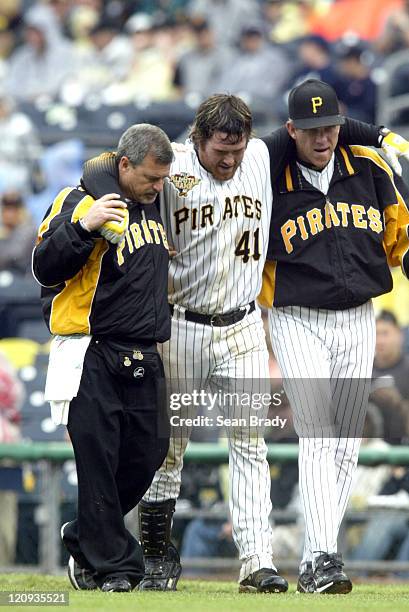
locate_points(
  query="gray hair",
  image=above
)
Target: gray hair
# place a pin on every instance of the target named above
(142, 139)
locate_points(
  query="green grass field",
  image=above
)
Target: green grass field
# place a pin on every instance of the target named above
(204, 596)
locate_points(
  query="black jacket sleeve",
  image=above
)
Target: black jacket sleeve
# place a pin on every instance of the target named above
(61, 255)
(357, 132)
(280, 148)
(63, 247)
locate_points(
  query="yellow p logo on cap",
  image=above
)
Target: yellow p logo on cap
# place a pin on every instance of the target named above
(316, 103)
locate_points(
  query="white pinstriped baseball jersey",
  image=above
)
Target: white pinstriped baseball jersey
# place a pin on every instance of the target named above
(219, 230)
(320, 179)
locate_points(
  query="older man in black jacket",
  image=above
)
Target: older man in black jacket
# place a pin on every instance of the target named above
(102, 261)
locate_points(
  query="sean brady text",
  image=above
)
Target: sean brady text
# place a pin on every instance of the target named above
(220, 421)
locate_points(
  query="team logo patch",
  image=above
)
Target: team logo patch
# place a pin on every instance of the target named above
(316, 103)
(184, 182)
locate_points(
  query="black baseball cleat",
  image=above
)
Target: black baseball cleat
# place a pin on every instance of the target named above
(81, 578)
(161, 573)
(306, 582)
(329, 576)
(265, 580)
(116, 585)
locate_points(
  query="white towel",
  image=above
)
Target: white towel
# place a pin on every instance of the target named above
(59, 411)
(64, 373)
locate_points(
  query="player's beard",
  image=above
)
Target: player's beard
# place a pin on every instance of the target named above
(225, 174)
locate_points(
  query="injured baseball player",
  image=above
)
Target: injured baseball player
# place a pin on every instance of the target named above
(216, 209)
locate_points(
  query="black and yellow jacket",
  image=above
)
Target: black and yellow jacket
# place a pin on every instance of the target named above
(90, 286)
(332, 251)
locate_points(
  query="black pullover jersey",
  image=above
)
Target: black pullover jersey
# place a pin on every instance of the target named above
(333, 251)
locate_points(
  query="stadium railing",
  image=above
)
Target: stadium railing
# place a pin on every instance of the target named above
(53, 454)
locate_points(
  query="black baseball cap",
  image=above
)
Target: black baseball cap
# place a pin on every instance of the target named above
(313, 104)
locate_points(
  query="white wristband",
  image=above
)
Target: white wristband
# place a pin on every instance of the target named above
(84, 225)
(383, 131)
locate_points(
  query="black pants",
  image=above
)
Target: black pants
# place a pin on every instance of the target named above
(118, 428)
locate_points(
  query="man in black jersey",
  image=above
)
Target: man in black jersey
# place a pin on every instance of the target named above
(340, 219)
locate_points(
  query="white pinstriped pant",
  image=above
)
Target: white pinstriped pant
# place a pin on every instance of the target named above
(209, 357)
(326, 359)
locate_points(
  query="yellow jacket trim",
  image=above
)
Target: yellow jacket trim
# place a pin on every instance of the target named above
(288, 179)
(346, 160)
(360, 151)
(82, 208)
(396, 238)
(266, 297)
(396, 215)
(55, 210)
(71, 308)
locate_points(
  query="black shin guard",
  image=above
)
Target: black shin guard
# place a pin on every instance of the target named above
(162, 562)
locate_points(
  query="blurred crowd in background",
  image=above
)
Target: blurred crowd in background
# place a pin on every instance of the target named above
(128, 51)
(73, 75)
